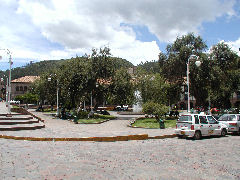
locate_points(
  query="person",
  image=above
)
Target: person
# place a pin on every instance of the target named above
(63, 114)
(176, 113)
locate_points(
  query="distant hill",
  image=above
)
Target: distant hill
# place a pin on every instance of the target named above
(36, 69)
(150, 66)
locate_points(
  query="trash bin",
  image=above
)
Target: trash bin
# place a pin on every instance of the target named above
(161, 124)
(75, 120)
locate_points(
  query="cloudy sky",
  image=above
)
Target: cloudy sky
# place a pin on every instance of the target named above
(136, 30)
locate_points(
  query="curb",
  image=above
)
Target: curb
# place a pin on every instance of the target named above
(96, 139)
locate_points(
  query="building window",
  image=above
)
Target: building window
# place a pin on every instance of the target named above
(17, 88)
(25, 88)
(21, 88)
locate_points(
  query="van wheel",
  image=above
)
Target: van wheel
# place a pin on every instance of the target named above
(224, 132)
(239, 131)
(180, 136)
(197, 135)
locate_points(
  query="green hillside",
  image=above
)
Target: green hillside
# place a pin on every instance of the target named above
(38, 68)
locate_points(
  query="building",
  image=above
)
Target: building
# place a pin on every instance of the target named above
(22, 85)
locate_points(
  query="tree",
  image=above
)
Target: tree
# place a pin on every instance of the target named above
(27, 98)
(173, 66)
(152, 87)
(174, 62)
(121, 88)
(224, 74)
(74, 78)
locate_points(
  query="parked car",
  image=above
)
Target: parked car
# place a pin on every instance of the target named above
(232, 121)
(198, 125)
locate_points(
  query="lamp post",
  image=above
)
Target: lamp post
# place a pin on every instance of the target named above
(198, 63)
(92, 98)
(49, 79)
(9, 82)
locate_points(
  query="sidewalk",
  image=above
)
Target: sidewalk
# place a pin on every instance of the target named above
(3, 108)
(58, 128)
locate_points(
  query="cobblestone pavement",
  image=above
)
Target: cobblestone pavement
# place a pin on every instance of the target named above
(210, 158)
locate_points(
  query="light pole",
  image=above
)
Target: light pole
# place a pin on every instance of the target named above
(92, 98)
(9, 82)
(49, 79)
(198, 63)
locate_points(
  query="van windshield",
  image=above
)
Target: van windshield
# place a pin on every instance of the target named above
(185, 118)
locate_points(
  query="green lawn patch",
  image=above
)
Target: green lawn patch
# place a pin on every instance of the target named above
(14, 106)
(152, 123)
(48, 110)
(90, 121)
(98, 118)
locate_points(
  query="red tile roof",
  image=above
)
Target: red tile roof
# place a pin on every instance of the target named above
(26, 79)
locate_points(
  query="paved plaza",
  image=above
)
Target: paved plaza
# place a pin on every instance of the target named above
(58, 128)
(209, 158)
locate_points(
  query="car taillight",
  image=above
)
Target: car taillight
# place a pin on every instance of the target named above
(233, 124)
(192, 127)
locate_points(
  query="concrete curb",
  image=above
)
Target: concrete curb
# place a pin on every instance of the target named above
(96, 139)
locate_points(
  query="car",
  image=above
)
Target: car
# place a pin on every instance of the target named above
(198, 125)
(14, 102)
(232, 121)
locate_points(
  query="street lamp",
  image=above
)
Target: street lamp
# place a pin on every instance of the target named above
(92, 98)
(198, 63)
(9, 82)
(49, 79)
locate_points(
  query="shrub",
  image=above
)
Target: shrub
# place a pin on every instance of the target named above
(154, 108)
(82, 114)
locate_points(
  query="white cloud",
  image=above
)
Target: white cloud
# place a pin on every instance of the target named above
(235, 45)
(79, 25)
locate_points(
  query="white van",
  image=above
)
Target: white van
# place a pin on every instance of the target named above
(198, 125)
(232, 121)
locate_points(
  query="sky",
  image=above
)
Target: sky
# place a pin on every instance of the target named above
(136, 30)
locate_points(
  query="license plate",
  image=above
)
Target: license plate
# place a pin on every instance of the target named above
(210, 131)
(182, 132)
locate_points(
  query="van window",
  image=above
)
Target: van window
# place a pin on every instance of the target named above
(203, 120)
(223, 118)
(238, 117)
(185, 118)
(196, 119)
(232, 118)
(211, 120)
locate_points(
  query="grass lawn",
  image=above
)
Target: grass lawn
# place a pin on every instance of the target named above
(152, 123)
(98, 118)
(90, 121)
(49, 111)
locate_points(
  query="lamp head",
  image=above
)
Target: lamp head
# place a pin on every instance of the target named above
(198, 63)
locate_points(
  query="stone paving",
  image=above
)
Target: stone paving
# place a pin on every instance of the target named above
(3, 108)
(58, 128)
(210, 158)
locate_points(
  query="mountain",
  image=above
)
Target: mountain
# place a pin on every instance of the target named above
(36, 69)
